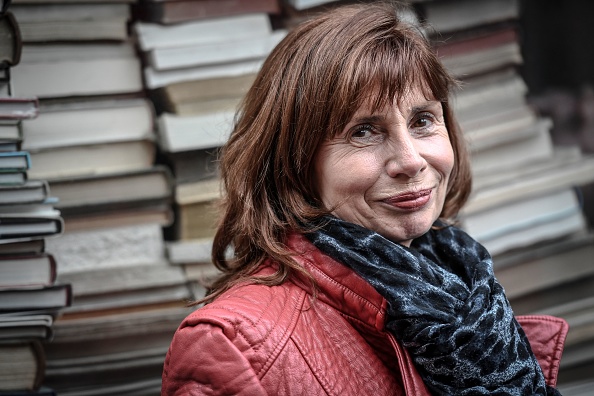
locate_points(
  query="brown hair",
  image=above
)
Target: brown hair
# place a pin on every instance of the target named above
(307, 90)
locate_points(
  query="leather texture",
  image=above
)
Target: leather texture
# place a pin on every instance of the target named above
(281, 340)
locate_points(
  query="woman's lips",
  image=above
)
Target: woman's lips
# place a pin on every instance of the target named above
(412, 200)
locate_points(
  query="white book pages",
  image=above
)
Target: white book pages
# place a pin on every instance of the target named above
(214, 53)
(184, 133)
(153, 35)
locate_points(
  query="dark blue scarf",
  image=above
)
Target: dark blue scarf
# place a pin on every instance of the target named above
(445, 306)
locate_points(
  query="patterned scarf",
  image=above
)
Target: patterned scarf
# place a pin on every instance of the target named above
(445, 306)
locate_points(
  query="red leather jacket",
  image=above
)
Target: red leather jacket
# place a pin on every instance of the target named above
(258, 340)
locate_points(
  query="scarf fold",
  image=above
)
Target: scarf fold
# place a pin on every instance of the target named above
(444, 306)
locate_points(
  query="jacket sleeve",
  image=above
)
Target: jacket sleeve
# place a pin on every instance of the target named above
(203, 361)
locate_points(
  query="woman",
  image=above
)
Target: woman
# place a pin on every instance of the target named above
(341, 178)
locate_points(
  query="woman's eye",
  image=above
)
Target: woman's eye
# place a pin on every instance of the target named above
(364, 134)
(423, 121)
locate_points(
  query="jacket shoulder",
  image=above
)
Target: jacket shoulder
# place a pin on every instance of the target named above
(243, 330)
(547, 337)
(251, 312)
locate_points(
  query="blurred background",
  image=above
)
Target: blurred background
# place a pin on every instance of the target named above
(111, 117)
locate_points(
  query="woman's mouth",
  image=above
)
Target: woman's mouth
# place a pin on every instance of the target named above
(410, 200)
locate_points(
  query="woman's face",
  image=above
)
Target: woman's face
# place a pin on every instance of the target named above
(388, 170)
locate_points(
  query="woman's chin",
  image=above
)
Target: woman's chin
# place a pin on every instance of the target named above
(405, 230)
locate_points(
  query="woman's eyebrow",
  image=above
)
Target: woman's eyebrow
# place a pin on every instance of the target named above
(361, 119)
(425, 106)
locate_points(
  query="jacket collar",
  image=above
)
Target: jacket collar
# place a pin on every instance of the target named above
(339, 286)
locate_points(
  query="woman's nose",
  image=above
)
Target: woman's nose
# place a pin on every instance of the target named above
(404, 157)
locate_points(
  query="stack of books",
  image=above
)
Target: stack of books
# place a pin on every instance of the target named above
(94, 141)
(197, 69)
(30, 295)
(517, 199)
(525, 207)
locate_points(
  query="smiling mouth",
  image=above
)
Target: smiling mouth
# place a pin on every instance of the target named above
(412, 200)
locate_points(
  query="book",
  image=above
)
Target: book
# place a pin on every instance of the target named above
(204, 107)
(37, 208)
(10, 40)
(566, 168)
(304, 4)
(72, 22)
(169, 96)
(184, 133)
(24, 271)
(128, 189)
(501, 127)
(178, 11)
(18, 108)
(14, 161)
(193, 165)
(539, 301)
(110, 247)
(159, 78)
(468, 41)
(92, 159)
(175, 293)
(108, 289)
(576, 388)
(6, 146)
(228, 29)
(98, 290)
(33, 191)
(482, 53)
(22, 366)
(214, 53)
(61, 70)
(196, 209)
(10, 145)
(537, 145)
(194, 256)
(14, 228)
(34, 246)
(124, 326)
(23, 222)
(10, 130)
(78, 219)
(25, 327)
(112, 282)
(541, 249)
(89, 121)
(478, 95)
(556, 262)
(57, 296)
(524, 222)
(447, 16)
(189, 251)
